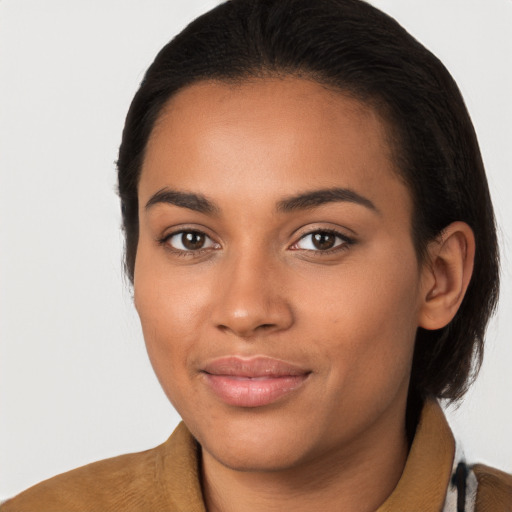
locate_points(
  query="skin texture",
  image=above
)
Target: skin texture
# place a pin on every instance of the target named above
(259, 287)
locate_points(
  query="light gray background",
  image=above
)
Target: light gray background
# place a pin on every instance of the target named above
(75, 382)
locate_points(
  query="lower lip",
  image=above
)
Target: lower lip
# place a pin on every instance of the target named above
(253, 392)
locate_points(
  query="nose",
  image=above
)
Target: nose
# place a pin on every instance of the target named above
(251, 300)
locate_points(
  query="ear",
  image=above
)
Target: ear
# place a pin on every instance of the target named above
(446, 275)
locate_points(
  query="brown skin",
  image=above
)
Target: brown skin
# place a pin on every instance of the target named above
(259, 286)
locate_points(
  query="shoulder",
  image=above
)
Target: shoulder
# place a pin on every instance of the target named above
(494, 492)
(163, 478)
(110, 484)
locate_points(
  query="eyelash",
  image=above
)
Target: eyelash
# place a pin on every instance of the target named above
(346, 242)
(164, 241)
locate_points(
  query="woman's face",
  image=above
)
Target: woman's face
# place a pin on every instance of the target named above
(276, 279)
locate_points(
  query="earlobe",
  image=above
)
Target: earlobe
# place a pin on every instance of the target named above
(446, 275)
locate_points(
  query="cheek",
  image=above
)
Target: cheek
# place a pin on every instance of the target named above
(168, 298)
(170, 307)
(367, 320)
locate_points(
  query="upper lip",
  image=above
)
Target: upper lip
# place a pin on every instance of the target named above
(253, 367)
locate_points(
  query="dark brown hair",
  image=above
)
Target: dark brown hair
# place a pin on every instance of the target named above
(355, 48)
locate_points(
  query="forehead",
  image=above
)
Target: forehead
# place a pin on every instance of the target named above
(274, 135)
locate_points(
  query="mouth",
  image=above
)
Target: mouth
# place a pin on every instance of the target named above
(252, 382)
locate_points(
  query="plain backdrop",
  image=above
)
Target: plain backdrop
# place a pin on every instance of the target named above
(75, 382)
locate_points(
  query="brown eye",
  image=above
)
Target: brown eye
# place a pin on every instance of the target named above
(323, 240)
(192, 240)
(188, 241)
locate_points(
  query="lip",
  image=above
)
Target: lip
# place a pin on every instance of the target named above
(252, 382)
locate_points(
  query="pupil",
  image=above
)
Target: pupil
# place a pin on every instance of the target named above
(323, 240)
(192, 241)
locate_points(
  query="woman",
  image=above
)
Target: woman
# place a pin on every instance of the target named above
(312, 247)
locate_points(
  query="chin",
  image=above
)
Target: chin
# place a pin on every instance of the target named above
(256, 458)
(258, 443)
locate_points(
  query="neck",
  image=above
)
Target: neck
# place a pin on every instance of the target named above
(360, 477)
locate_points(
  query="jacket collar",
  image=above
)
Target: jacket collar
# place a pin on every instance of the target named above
(428, 468)
(422, 486)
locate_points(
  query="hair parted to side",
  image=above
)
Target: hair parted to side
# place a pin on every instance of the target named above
(356, 49)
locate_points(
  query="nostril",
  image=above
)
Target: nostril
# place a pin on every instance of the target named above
(247, 318)
(246, 331)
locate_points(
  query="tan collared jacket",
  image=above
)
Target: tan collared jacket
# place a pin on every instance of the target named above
(166, 479)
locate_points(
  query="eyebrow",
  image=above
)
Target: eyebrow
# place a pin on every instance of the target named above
(302, 201)
(196, 202)
(315, 198)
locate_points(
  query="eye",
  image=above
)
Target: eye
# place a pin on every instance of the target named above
(189, 241)
(321, 241)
